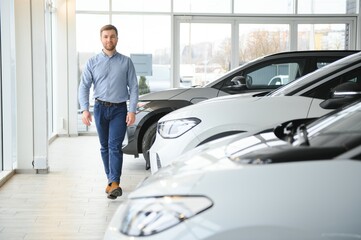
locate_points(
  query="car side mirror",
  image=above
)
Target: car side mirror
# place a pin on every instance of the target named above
(342, 95)
(286, 130)
(238, 82)
(241, 82)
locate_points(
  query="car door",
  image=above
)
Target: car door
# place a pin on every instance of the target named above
(257, 77)
(261, 77)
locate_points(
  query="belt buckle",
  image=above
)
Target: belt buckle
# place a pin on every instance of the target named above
(108, 104)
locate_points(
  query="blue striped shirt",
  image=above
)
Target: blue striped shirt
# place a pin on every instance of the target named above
(113, 78)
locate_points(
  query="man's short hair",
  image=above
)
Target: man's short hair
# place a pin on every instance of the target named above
(109, 27)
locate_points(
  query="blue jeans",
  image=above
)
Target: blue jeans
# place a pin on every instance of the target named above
(111, 125)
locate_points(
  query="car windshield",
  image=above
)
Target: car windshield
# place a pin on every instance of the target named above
(346, 121)
(310, 78)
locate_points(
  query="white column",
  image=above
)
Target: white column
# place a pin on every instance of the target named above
(40, 121)
(8, 84)
(72, 69)
(65, 69)
(32, 139)
(24, 86)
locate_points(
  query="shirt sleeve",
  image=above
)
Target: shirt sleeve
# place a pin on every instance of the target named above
(84, 87)
(133, 87)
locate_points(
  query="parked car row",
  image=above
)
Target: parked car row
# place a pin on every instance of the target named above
(285, 165)
(256, 77)
(310, 96)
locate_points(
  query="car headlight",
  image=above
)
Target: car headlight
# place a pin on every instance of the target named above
(148, 216)
(175, 128)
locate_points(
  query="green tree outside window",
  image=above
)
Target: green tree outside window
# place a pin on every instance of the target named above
(143, 86)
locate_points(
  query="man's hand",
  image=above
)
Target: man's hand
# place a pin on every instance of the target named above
(86, 117)
(130, 118)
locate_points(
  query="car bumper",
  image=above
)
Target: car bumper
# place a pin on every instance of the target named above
(164, 151)
(130, 145)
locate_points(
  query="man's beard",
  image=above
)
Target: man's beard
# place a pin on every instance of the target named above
(109, 47)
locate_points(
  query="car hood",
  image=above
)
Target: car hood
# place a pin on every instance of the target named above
(183, 174)
(210, 103)
(178, 178)
(247, 113)
(194, 95)
(229, 154)
(163, 95)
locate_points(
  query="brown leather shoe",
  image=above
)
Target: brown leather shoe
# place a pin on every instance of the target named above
(114, 191)
(107, 188)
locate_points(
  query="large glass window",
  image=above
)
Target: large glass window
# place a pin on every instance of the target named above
(88, 38)
(264, 6)
(216, 36)
(138, 34)
(290, 7)
(147, 34)
(88, 44)
(256, 40)
(202, 6)
(327, 6)
(144, 34)
(92, 5)
(141, 5)
(205, 52)
(323, 37)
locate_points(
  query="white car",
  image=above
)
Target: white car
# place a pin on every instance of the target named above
(191, 126)
(258, 187)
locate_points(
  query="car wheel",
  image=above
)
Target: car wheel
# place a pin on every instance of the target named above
(148, 140)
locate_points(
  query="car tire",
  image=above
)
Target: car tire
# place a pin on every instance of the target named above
(147, 142)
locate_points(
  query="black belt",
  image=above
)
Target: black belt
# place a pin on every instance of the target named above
(109, 104)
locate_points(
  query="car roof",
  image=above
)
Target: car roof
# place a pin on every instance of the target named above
(315, 53)
(280, 55)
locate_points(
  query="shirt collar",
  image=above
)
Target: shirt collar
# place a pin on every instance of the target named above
(105, 55)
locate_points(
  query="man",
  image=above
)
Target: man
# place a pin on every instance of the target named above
(114, 80)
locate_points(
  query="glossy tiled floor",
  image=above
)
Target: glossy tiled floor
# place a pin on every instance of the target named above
(69, 202)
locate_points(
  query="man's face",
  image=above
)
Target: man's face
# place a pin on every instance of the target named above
(109, 39)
